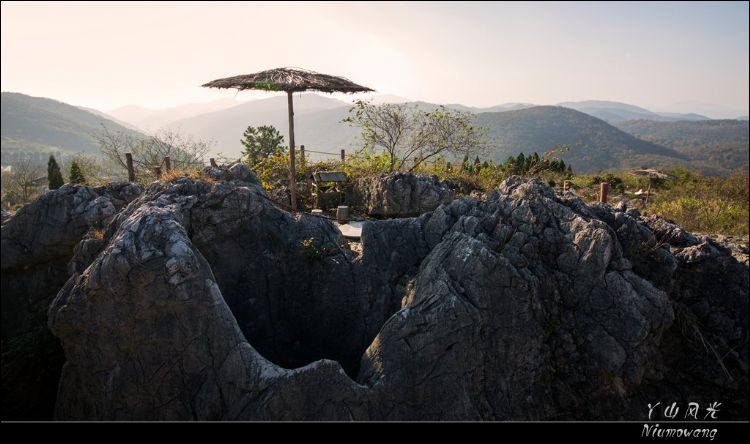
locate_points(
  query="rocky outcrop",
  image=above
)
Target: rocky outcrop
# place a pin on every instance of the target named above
(38, 242)
(207, 301)
(399, 194)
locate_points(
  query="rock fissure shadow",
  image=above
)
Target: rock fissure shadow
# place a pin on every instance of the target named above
(296, 303)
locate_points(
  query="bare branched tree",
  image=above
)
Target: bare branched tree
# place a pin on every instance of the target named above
(411, 136)
(23, 181)
(183, 151)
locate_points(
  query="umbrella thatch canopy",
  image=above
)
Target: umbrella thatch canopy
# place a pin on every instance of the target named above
(289, 80)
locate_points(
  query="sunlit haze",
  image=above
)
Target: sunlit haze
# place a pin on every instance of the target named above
(664, 56)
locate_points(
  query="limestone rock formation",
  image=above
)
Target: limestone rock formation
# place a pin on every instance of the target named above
(399, 194)
(38, 242)
(207, 301)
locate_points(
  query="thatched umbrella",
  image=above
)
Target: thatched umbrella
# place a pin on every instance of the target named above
(290, 80)
(651, 174)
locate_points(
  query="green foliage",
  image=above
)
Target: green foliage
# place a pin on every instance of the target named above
(76, 175)
(261, 143)
(411, 136)
(367, 162)
(275, 167)
(95, 170)
(54, 176)
(708, 204)
(704, 204)
(615, 182)
(309, 251)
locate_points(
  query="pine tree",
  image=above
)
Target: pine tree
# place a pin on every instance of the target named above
(465, 164)
(76, 175)
(477, 165)
(54, 176)
(520, 163)
(261, 143)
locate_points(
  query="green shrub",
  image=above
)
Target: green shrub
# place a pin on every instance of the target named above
(309, 251)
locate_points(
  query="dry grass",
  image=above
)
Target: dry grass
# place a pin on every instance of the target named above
(194, 174)
(174, 174)
(97, 234)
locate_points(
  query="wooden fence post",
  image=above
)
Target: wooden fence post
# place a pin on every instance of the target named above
(302, 155)
(131, 172)
(603, 189)
(157, 171)
(213, 163)
(168, 163)
(343, 158)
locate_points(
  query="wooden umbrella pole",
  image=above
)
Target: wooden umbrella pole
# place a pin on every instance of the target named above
(292, 166)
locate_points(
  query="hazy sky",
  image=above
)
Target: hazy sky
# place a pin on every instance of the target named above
(657, 55)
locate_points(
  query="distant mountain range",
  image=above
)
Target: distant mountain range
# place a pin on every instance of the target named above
(713, 145)
(616, 111)
(38, 124)
(41, 126)
(150, 120)
(592, 143)
(153, 119)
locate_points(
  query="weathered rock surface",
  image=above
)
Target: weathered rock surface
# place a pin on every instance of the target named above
(6, 215)
(399, 194)
(207, 301)
(38, 241)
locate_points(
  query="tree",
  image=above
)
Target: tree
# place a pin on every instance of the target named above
(149, 152)
(261, 143)
(76, 175)
(534, 159)
(21, 181)
(411, 136)
(465, 165)
(94, 169)
(520, 164)
(54, 176)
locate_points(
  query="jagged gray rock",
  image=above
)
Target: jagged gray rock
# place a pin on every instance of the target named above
(399, 194)
(524, 305)
(38, 242)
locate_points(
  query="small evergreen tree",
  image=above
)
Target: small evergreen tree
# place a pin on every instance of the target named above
(54, 176)
(261, 143)
(534, 159)
(76, 175)
(520, 163)
(465, 166)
